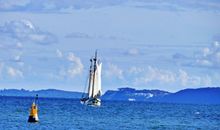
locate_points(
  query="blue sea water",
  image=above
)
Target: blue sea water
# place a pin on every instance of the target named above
(69, 114)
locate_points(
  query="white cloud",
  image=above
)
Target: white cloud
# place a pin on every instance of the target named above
(19, 45)
(25, 31)
(154, 74)
(167, 77)
(82, 35)
(1, 68)
(133, 51)
(193, 80)
(21, 63)
(207, 80)
(10, 4)
(54, 5)
(135, 70)
(72, 68)
(209, 56)
(71, 5)
(59, 53)
(183, 77)
(76, 66)
(204, 62)
(28, 24)
(114, 71)
(216, 44)
(10, 71)
(17, 58)
(14, 72)
(206, 51)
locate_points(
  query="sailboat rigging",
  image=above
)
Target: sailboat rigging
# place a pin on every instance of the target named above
(92, 97)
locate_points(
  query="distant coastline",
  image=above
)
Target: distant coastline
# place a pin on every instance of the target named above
(46, 93)
(208, 95)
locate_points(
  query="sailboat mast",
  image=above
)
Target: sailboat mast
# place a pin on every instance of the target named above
(90, 74)
(95, 59)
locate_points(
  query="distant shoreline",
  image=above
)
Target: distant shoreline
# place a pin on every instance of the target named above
(208, 95)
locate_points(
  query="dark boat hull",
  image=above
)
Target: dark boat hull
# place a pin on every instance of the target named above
(92, 102)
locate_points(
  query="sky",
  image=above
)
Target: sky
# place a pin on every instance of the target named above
(145, 44)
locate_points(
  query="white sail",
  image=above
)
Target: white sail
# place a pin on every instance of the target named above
(94, 88)
(97, 84)
(99, 78)
(90, 85)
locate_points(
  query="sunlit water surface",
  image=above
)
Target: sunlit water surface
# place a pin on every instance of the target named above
(69, 114)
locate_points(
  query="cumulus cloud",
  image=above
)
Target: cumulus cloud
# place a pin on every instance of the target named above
(209, 56)
(70, 5)
(114, 71)
(11, 4)
(1, 68)
(54, 5)
(13, 72)
(19, 45)
(135, 70)
(185, 79)
(133, 51)
(25, 31)
(183, 76)
(9, 43)
(76, 66)
(81, 35)
(166, 77)
(204, 62)
(155, 74)
(17, 58)
(181, 5)
(72, 68)
(178, 56)
(59, 53)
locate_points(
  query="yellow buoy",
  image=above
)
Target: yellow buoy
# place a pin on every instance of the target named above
(33, 117)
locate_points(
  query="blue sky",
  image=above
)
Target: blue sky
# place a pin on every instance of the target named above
(168, 45)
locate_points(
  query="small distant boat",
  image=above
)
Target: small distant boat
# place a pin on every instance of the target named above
(92, 96)
(33, 117)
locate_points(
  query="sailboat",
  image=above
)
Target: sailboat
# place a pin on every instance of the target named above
(92, 96)
(33, 117)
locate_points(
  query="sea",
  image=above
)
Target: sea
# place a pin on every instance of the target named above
(69, 114)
